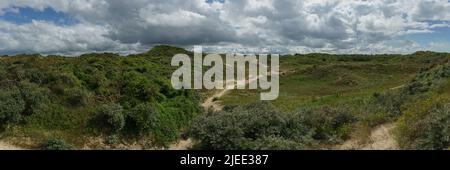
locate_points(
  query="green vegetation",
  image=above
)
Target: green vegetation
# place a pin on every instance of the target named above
(56, 144)
(113, 117)
(334, 97)
(261, 126)
(426, 122)
(77, 99)
(68, 103)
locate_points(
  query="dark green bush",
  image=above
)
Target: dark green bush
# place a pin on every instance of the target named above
(76, 97)
(12, 105)
(276, 143)
(113, 116)
(113, 139)
(138, 88)
(256, 126)
(56, 144)
(142, 117)
(34, 97)
(147, 119)
(329, 123)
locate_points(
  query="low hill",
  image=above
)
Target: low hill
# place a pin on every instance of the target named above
(77, 99)
(107, 101)
(326, 100)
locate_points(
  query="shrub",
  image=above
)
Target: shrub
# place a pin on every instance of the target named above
(34, 96)
(384, 107)
(3, 73)
(113, 139)
(56, 144)
(113, 116)
(147, 119)
(76, 97)
(164, 129)
(330, 123)
(182, 109)
(425, 127)
(436, 132)
(12, 105)
(138, 87)
(276, 143)
(256, 126)
(142, 117)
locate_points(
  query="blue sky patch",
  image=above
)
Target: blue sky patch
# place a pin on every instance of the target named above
(211, 1)
(27, 15)
(439, 35)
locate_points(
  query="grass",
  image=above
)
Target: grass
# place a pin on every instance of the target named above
(328, 83)
(345, 83)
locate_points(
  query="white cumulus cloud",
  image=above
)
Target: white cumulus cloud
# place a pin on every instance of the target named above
(287, 26)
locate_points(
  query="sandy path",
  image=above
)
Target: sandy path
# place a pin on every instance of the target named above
(210, 103)
(182, 145)
(398, 87)
(380, 138)
(8, 146)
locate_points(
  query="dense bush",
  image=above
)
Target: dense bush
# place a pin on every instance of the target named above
(138, 88)
(34, 96)
(437, 129)
(76, 97)
(429, 129)
(56, 144)
(12, 105)
(152, 120)
(261, 126)
(330, 123)
(113, 116)
(257, 126)
(142, 117)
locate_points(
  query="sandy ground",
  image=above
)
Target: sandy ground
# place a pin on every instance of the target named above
(216, 106)
(380, 138)
(8, 146)
(182, 145)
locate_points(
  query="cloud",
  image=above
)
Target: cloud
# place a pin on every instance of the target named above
(48, 38)
(439, 46)
(335, 26)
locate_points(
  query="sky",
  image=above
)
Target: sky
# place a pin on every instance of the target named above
(72, 27)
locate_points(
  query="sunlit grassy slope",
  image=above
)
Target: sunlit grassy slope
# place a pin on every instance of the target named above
(319, 79)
